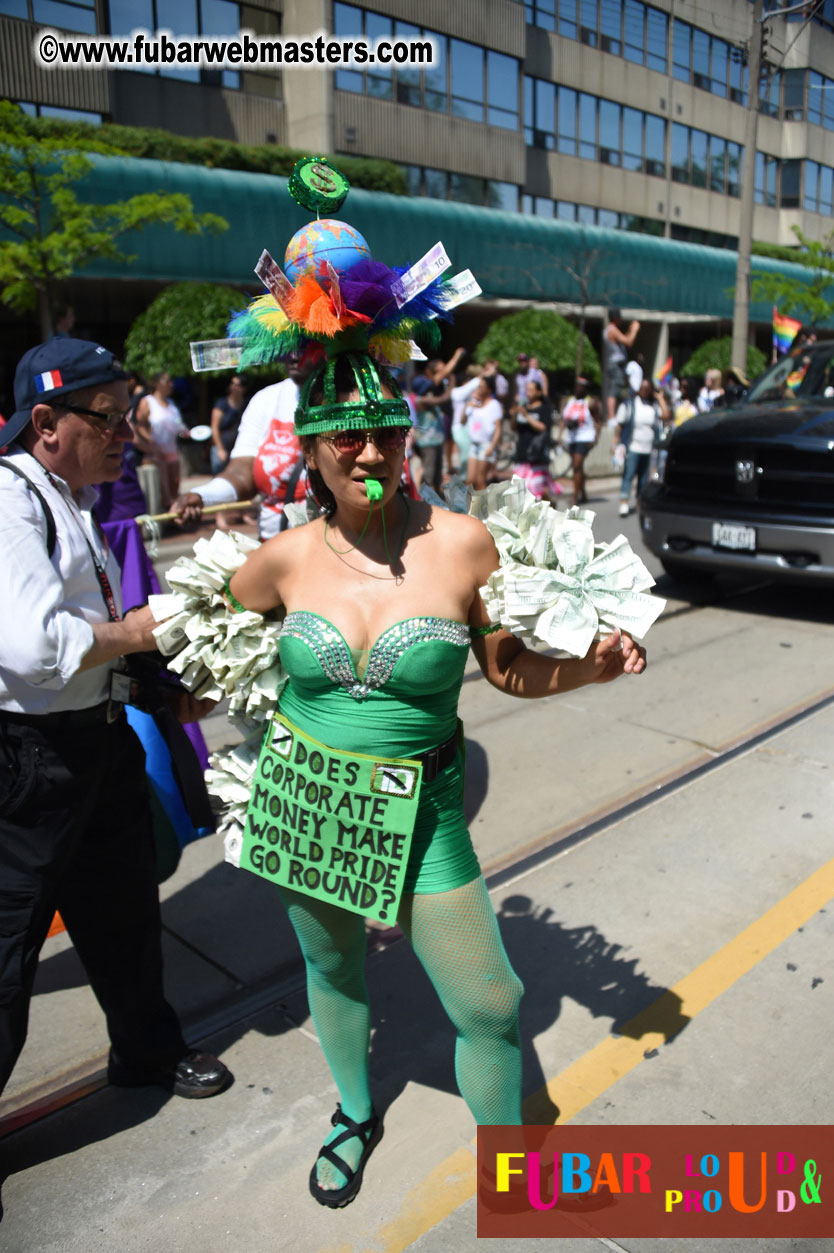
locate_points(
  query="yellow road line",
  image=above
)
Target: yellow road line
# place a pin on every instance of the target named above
(452, 1182)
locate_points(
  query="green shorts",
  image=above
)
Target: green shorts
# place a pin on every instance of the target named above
(442, 856)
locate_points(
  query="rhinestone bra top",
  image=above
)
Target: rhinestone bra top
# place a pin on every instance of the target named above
(335, 657)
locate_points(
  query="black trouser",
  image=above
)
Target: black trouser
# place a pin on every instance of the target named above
(76, 835)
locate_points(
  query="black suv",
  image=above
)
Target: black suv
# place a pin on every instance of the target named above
(750, 489)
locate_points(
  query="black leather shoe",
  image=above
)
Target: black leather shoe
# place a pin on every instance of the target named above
(195, 1075)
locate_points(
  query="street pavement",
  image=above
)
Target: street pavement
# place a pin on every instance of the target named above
(673, 932)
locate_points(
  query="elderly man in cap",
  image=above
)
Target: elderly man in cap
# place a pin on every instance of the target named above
(75, 822)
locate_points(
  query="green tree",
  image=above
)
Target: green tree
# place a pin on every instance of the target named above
(543, 334)
(717, 354)
(811, 301)
(49, 231)
(159, 338)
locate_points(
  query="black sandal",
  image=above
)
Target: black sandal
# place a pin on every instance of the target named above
(370, 1133)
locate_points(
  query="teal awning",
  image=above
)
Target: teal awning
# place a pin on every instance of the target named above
(513, 256)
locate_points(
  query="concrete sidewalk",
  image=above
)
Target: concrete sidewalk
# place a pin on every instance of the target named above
(605, 937)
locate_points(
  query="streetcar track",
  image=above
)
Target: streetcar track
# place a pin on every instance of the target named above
(90, 1075)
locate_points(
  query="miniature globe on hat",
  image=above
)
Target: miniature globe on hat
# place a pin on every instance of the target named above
(322, 241)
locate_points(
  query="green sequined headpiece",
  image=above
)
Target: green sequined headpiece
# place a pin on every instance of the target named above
(372, 408)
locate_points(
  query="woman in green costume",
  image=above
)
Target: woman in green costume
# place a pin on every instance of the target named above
(382, 605)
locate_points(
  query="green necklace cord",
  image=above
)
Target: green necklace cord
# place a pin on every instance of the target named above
(343, 552)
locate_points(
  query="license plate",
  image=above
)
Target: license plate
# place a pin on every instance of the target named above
(728, 535)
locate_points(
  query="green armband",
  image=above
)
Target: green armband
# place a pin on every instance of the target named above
(234, 603)
(474, 632)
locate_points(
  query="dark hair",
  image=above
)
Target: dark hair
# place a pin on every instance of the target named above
(615, 315)
(489, 382)
(154, 380)
(321, 493)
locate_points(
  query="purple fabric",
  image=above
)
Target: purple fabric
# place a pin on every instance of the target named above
(124, 498)
(138, 582)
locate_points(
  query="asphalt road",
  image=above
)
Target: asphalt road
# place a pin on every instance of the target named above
(659, 853)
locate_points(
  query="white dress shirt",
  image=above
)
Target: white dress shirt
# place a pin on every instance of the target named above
(50, 605)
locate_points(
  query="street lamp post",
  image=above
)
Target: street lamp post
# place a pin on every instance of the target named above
(741, 308)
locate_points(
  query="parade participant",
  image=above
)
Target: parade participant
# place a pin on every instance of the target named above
(483, 415)
(378, 625)
(226, 414)
(266, 457)
(372, 606)
(76, 831)
(579, 426)
(640, 425)
(615, 344)
(533, 423)
(159, 427)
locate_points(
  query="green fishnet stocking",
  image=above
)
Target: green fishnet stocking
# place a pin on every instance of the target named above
(333, 943)
(455, 935)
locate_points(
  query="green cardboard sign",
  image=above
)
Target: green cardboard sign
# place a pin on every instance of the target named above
(336, 826)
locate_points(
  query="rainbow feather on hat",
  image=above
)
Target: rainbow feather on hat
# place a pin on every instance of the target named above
(326, 314)
(336, 299)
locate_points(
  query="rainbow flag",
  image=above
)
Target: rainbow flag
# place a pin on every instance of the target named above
(784, 330)
(664, 374)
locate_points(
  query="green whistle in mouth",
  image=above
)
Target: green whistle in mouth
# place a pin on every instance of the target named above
(373, 487)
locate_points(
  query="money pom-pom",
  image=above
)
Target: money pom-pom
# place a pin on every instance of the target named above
(556, 583)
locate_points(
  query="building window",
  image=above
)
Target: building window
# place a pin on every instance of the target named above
(766, 173)
(606, 131)
(465, 79)
(708, 62)
(694, 235)
(539, 113)
(502, 90)
(705, 160)
(567, 121)
(655, 145)
(789, 184)
(589, 215)
(541, 13)
(464, 188)
(64, 14)
(212, 18)
(769, 93)
(636, 31)
(502, 196)
(793, 95)
(818, 196)
(820, 100)
(467, 84)
(66, 115)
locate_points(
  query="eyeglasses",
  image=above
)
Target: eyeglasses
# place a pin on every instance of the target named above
(386, 439)
(111, 420)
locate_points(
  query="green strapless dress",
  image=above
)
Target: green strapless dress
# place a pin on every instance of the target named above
(401, 702)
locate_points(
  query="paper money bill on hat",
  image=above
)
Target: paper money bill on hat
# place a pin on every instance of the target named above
(215, 354)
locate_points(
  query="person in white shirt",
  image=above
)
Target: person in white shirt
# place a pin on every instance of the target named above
(159, 427)
(76, 829)
(710, 392)
(483, 415)
(640, 421)
(579, 428)
(266, 458)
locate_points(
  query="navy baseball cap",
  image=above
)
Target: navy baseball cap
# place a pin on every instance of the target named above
(55, 369)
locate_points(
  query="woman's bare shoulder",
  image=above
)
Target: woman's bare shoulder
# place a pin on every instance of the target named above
(461, 529)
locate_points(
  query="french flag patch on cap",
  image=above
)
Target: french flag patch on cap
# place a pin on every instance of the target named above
(49, 381)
